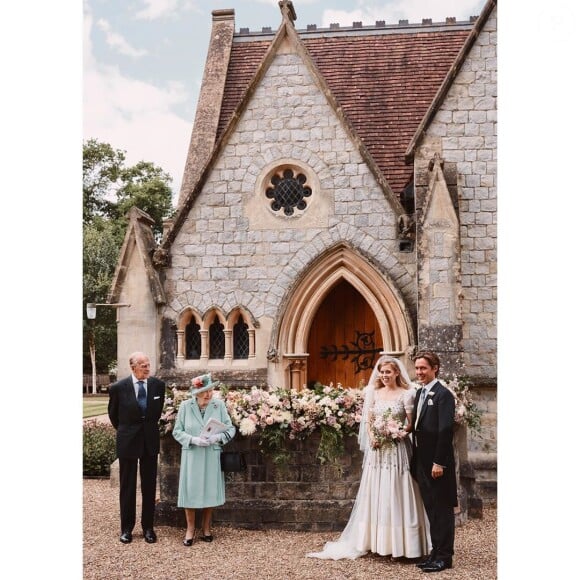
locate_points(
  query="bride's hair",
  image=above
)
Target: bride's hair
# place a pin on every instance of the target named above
(399, 379)
(403, 380)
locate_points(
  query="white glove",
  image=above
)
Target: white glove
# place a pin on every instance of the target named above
(214, 439)
(199, 442)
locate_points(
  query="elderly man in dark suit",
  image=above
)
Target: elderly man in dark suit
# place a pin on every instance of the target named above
(135, 406)
(433, 463)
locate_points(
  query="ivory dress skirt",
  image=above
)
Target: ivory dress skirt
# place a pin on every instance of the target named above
(388, 517)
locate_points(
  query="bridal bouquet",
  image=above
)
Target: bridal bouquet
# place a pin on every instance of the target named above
(387, 431)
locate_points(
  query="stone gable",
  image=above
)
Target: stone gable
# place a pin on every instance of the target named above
(464, 134)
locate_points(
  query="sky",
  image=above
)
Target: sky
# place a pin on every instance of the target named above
(120, 71)
(143, 61)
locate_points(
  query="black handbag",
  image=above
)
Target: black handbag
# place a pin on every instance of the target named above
(233, 461)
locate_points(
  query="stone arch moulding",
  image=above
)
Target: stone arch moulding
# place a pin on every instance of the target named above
(185, 317)
(209, 316)
(246, 315)
(299, 309)
(251, 323)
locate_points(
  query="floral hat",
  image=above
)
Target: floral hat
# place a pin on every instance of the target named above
(202, 383)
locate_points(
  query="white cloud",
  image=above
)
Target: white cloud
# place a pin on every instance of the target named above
(133, 115)
(117, 42)
(157, 8)
(412, 10)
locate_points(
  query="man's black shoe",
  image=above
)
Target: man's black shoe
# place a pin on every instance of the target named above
(437, 566)
(126, 537)
(150, 536)
(425, 562)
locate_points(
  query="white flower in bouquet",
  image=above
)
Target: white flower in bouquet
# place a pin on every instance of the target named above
(247, 427)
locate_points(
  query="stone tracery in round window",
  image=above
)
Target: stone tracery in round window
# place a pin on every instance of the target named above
(288, 191)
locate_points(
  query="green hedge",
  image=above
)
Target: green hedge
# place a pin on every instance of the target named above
(98, 448)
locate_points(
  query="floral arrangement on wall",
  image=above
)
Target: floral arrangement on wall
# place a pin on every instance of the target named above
(466, 411)
(276, 415)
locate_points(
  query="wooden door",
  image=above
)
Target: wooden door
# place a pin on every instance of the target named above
(344, 339)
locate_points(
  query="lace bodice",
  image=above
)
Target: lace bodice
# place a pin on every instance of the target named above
(399, 407)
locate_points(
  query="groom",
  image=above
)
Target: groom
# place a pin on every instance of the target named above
(135, 406)
(433, 464)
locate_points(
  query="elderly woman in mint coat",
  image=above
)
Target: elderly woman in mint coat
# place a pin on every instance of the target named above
(201, 480)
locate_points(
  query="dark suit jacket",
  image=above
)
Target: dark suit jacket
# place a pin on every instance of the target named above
(136, 436)
(433, 441)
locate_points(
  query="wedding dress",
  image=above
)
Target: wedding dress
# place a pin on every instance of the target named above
(388, 516)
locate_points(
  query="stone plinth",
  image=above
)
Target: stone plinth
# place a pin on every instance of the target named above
(302, 495)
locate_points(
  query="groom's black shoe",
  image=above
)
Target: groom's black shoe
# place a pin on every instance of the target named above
(437, 565)
(426, 561)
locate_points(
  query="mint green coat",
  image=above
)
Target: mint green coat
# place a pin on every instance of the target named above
(201, 480)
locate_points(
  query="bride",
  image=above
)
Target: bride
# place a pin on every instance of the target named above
(388, 516)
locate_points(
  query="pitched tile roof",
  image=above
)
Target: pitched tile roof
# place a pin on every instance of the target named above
(450, 77)
(383, 80)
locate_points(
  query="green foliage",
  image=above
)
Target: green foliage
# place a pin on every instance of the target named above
(101, 170)
(273, 442)
(101, 242)
(110, 189)
(146, 187)
(331, 446)
(98, 448)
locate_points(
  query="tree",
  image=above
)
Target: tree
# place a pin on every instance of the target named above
(100, 253)
(110, 189)
(101, 170)
(146, 187)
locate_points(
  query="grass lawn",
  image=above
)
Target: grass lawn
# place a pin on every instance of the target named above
(95, 405)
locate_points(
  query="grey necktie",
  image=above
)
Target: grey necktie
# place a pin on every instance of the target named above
(142, 397)
(421, 401)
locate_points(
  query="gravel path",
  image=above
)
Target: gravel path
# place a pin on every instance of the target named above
(240, 554)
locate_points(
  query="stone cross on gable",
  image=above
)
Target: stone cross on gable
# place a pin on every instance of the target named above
(287, 9)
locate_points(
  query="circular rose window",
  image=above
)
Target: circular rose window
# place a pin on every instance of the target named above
(288, 190)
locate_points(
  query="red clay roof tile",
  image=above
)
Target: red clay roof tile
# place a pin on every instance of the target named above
(384, 83)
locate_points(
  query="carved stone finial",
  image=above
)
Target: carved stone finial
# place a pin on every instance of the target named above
(406, 226)
(436, 159)
(287, 9)
(160, 257)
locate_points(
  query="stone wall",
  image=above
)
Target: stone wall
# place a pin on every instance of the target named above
(302, 495)
(483, 446)
(464, 134)
(223, 258)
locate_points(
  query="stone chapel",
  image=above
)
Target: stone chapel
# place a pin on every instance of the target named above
(338, 201)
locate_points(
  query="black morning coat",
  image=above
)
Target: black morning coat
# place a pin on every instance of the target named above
(136, 436)
(433, 441)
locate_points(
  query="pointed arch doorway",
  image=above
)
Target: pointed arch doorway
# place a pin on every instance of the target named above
(345, 339)
(340, 286)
